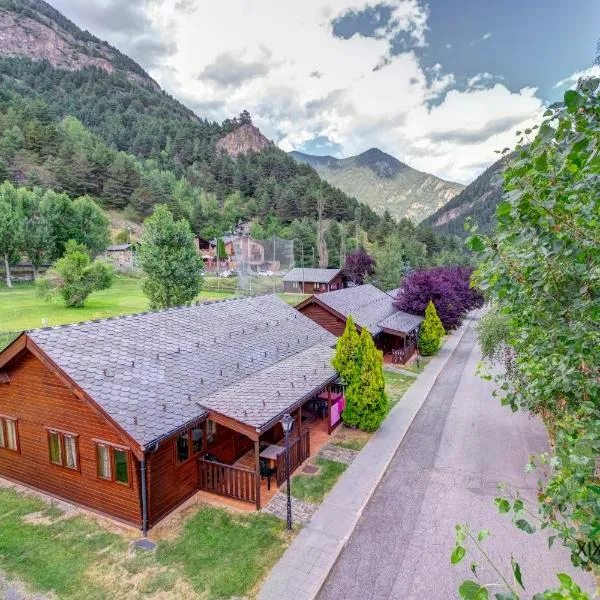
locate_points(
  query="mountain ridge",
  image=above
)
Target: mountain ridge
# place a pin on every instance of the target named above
(384, 183)
(477, 201)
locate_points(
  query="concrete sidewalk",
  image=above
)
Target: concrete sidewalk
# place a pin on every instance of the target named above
(305, 565)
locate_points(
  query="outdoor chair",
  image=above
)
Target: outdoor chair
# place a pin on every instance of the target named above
(266, 472)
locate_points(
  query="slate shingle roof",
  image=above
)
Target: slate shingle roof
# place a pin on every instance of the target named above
(369, 307)
(401, 321)
(151, 371)
(262, 397)
(312, 275)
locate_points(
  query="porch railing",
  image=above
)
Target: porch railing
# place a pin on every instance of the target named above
(227, 480)
(401, 355)
(299, 452)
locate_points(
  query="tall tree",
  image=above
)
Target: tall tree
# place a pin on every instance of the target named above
(60, 222)
(168, 257)
(92, 225)
(358, 266)
(11, 228)
(34, 232)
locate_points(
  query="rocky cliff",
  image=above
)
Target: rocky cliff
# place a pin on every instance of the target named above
(33, 29)
(242, 140)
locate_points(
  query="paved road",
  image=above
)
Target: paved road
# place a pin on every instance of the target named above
(460, 445)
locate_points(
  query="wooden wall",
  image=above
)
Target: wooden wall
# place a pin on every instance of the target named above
(324, 318)
(313, 288)
(39, 400)
(170, 484)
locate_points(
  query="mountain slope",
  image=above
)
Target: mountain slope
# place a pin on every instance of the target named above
(384, 183)
(478, 201)
(145, 143)
(34, 29)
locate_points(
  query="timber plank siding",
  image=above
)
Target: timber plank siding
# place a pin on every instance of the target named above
(169, 483)
(324, 318)
(311, 287)
(40, 401)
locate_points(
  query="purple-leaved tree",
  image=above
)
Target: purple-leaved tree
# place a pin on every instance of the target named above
(447, 287)
(358, 265)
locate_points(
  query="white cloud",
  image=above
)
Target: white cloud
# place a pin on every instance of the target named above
(300, 82)
(571, 80)
(448, 46)
(483, 38)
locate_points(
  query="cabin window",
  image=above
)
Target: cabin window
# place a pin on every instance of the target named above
(104, 461)
(9, 434)
(121, 466)
(190, 443)
(64, 449)
(112, 463)
(183, 447)
(211, 431)
(296, 284)
(197, 439)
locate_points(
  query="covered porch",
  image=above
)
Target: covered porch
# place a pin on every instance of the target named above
(258, 468)
(399, 336)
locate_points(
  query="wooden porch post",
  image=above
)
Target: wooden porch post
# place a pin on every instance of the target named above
(257, 474)
(299, 421)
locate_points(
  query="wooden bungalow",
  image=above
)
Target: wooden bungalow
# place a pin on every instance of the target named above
(312, 281)
(395, 332)
(131, 416)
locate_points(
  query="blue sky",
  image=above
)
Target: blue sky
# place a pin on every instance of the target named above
(523, 43)
(438, 84)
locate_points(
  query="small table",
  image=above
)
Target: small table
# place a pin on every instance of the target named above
(272, 452)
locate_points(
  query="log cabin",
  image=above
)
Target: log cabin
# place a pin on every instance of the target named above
(312, 281)
(395, 332)
(130, 416)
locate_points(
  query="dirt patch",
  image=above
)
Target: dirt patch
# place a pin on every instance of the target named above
(352, 437)
(158, 583)
(38, 518)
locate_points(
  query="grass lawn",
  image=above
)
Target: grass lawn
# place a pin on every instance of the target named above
(215, 555)
(21, 307)
(412, 365)
(312, 488)
(396, 385)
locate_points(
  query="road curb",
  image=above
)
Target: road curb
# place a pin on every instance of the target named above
(304, 567)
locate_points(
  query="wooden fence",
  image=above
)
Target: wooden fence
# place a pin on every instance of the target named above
(299, 452)
(227, 480)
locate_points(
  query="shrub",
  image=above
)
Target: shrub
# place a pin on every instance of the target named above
(432, 332)
(74, 276)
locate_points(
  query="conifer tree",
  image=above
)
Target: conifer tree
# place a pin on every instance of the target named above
(372, 405)
(360, 365)
(346, 360)
(432, 331)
